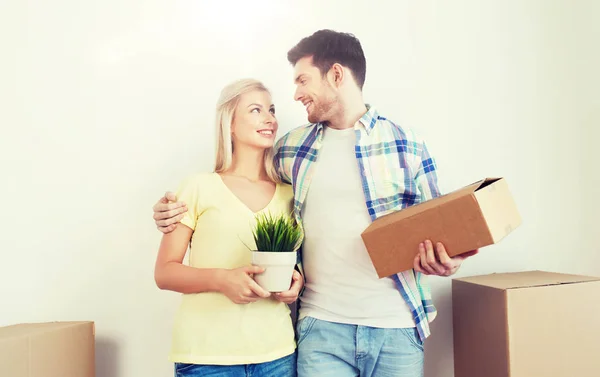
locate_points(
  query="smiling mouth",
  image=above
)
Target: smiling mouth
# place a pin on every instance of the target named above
(307, 105)
(266, 132)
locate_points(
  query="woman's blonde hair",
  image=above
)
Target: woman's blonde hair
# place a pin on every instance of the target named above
(226, 105)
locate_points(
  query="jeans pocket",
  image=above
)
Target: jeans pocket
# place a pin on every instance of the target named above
(304, 326)
(413, 337)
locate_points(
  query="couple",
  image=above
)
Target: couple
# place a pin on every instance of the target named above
(349, 166)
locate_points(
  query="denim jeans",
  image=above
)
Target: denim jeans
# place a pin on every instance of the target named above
(284, 367)
(340, 350)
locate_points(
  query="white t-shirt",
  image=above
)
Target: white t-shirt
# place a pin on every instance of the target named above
(341, 282)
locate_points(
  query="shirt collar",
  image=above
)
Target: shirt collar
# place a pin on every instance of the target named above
(368, 120)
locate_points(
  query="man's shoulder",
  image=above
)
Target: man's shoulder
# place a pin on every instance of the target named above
(296, 136)
(399, 130)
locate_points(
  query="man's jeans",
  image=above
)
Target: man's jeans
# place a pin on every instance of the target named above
(340, 350)
(284, 367)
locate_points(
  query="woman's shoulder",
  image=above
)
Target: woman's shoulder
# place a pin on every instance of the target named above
(199, 178)
(199, 181)
(286, 190)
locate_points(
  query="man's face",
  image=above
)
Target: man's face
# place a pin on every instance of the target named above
(314, 91)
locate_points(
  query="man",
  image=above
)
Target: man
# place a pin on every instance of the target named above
(349, 166)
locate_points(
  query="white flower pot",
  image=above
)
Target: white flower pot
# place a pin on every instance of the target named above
(279, 268)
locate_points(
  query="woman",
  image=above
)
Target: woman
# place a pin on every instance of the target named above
(226, 324)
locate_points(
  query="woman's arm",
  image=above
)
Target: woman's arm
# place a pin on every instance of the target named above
(171, 274)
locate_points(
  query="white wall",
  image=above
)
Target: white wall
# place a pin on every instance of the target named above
(588, 115)
(106, 105)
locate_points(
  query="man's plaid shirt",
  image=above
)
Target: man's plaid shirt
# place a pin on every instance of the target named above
(396, 171)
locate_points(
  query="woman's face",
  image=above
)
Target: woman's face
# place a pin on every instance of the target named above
(254, 123)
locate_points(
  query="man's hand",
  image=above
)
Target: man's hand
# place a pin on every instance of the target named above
(239, 286)
(168, 212)
(430, 262)
(291, 295)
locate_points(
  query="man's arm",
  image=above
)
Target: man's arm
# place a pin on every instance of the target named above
(430, 260)
(168, 212)
(426, 177)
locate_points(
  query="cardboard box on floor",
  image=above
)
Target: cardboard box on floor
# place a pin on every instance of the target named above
(472, 217)
(55, 349)
(526, 324)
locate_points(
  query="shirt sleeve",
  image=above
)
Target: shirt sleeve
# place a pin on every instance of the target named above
(281, 162)
(189, 193)
(426, 177)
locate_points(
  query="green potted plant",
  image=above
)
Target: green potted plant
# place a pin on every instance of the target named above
(277, 239)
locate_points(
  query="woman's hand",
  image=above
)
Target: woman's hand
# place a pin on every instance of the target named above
(239, 286)
(291, 295)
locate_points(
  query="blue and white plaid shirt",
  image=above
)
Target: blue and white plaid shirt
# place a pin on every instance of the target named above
(396, 171)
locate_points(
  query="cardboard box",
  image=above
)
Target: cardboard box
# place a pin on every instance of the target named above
(526, 324)
(55, 349)
(472, 217)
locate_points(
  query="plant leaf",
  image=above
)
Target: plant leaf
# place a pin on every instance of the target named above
(276, 233)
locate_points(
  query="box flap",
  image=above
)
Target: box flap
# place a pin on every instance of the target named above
(484, 183)
(29, 329)
(527, 279)
(498, 207)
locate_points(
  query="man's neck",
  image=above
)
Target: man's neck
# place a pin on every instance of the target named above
(349, 113)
